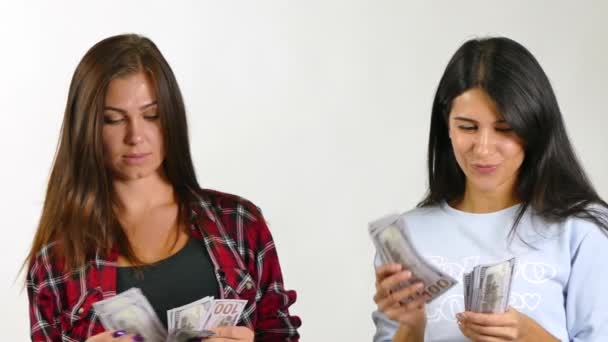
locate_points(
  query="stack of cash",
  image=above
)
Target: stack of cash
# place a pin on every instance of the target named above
(132, 312)
(487, 287)
(394, 245)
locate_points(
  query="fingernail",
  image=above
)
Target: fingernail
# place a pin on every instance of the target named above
(138, 338)
(460, 316)
(119, 333)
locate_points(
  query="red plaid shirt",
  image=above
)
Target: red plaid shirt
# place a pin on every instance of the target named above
(239, 245)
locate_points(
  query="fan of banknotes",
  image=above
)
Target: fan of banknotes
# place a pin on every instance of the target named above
(132, 312)
(394, 245)
(487, 287)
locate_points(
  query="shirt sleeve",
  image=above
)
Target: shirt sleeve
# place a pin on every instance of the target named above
(586, 296)
(274, 321)
(42, 297)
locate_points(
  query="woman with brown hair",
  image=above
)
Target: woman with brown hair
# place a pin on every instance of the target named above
(124, 209)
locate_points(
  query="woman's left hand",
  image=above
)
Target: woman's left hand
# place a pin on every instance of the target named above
(509, 326)
(231, 334)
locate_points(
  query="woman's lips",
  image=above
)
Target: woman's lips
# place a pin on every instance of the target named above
(136, 158)
(485, 168)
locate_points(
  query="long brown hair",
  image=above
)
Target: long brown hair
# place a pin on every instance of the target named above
(77, 214)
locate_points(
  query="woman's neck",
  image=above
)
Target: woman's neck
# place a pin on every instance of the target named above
(139, 196)
(148, 212)
(484, 202)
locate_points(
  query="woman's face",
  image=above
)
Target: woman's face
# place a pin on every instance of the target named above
(132, 137)
(486, 148)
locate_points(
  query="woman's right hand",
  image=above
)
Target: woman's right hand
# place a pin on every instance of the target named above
(115, 336)
(410, 316)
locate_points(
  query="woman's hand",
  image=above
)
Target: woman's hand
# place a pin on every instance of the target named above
(115, 336)
(231, 334)
(411, 315)
(509, 326)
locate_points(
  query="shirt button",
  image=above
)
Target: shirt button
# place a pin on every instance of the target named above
(80, 311)
(248, 285)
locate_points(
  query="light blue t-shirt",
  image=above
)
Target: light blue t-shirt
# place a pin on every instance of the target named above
(561, 277)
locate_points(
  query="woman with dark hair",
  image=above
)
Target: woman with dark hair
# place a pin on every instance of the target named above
(504, 182)
(124, 209)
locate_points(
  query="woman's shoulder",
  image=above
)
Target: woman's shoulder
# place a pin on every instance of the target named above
(227, 220)
(421, 213)
(583, 228)
(224, 204)
(223, 215)
(47, 266)
(49, 263)
(592, 224)
(48, 255)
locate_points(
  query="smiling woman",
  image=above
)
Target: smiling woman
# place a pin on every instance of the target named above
(485, 146)
(124, 209)
(504, 183)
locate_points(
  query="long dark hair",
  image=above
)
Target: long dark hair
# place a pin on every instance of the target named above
(551, 180)
(77, 212)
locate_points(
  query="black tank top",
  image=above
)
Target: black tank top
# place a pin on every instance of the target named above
(182, 278)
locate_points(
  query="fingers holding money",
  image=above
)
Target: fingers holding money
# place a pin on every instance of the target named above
(403, 313)
(388, 278)
(115, 336)
(232, 334)
(390, 302)
(387, 270)
(488, 326)
(395, 299)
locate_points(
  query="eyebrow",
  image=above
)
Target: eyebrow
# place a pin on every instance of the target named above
(122, 111)
(462, 118)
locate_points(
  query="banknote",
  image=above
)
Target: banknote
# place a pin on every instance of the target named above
(487, 288)
(130, 311)
(393, 243)
(190, 316)
(224, 312)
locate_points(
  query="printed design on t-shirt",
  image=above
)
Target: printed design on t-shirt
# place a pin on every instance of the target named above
(447, 306)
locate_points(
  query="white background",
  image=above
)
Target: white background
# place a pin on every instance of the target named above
(317, 111)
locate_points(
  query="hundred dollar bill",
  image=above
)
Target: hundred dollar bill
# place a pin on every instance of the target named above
(190, 316)
(466, 280)
(224, 312)
(394, 245)
(130, 311)
(489, 287)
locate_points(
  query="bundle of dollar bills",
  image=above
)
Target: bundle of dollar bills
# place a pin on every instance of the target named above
(131, 311)
(394, 245)
(487, 287)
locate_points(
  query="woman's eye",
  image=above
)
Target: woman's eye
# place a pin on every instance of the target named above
(504, 129)
(111, 121)
(151, 117)
(467, 128)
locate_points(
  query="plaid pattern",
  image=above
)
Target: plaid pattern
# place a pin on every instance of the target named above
(241, 249)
